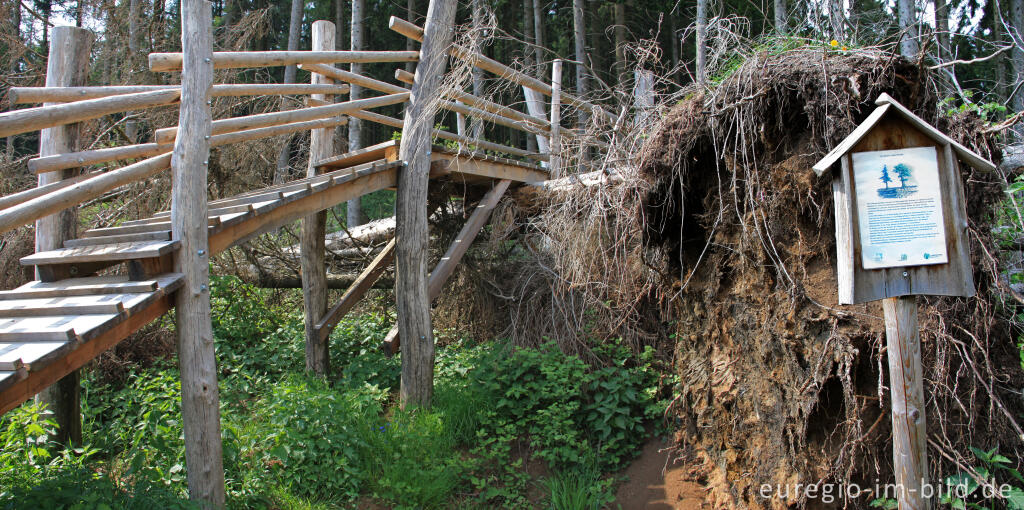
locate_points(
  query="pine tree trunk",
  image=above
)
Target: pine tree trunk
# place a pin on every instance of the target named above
(294, 31)
(702, 41)
(411, 295)
(1017, 19)
(620, 44)
(476, 126)
(673, 25)
(942, 28)
(355, 126)
(837, 19)
(538, 38)
(410, 45)
(781, 17)
(579, 36)
(908, 25)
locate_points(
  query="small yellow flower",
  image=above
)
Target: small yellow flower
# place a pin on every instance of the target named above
(834, 43)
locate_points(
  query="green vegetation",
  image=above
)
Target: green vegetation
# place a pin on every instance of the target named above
(297, 442)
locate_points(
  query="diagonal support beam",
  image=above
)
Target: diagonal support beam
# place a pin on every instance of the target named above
(444, 269)
(356, 291)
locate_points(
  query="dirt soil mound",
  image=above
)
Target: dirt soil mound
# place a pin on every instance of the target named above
(779, 384)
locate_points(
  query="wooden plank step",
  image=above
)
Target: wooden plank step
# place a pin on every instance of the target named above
(159, 235)
(57, 328)
(102, 253)
(356, 157)
(75, 305)
(141, 224)
(88, 286)
(214, 211)
(31, 356)
(248, 199)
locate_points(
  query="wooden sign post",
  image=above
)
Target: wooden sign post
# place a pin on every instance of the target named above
(901, 231)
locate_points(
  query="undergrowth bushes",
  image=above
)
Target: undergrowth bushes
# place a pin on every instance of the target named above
(293, 441)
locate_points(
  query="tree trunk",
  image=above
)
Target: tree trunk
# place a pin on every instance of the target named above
(200, 400)
(68, 66)
(355, 126)
(410, 45)
(702, 41)
(837, 19)
(340, 23)
(942, 28)
(781, 17)
(476, 126)
(1017, 19)
(538, 38)
(673, 42)
(620, 44)
(531, 63)
(16, 32)
(908, 25)
(314, 266)
(411, 209)
(294, 31)
(579, 33)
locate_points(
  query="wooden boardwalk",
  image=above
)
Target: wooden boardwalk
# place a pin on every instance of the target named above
(53, 326)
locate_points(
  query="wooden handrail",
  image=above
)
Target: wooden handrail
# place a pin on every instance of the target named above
(445, 135)
(167, 135)
(493, 66)
(92, 157)
(234, 59)
(42, 117)
(87, 189)
(28, 95)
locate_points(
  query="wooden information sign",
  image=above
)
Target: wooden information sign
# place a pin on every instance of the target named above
(901, 231)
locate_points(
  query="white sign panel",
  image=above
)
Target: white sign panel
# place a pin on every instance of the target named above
(899, 208)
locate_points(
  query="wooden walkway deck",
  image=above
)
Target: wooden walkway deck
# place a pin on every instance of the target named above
(53, 326)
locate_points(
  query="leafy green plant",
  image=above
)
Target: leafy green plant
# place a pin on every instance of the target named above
(1001, 481)
(578, 489)
(313, 437)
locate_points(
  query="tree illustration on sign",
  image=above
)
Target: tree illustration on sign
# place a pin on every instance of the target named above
(885, 176)
(902, 172)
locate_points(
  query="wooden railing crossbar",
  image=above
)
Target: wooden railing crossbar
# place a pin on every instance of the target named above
(30, 95)
(167, 135)
(42, 117)
(236, 59)
(492, 66)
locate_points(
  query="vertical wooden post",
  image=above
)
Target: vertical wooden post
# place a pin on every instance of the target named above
(556, 119)
(909, 439)
(200, 400)
(411, 295)
(535, 106)
(643, 97)
(68, 66)
(314, 265)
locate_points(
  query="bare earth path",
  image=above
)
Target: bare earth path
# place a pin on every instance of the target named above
(648, 488)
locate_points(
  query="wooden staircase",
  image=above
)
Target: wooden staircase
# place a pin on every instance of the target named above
(56, 324)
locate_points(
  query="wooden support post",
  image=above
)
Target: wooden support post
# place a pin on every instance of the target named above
(67, 67)
(535, 105)
(906, 384)
(643, 97)
(555, 161)
(411, 296)
(200, 399)
(446, 266)
(314, 266)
